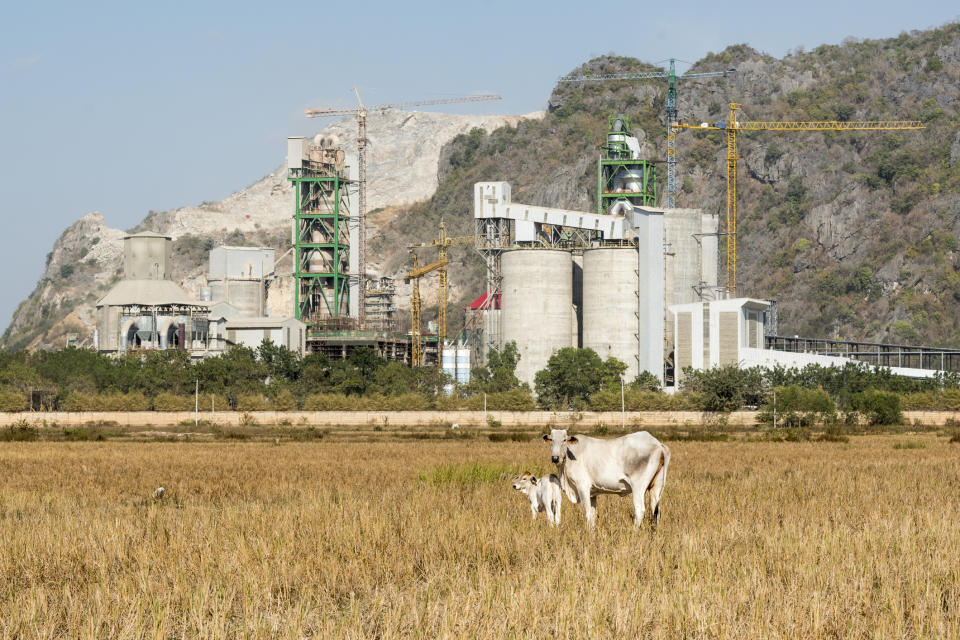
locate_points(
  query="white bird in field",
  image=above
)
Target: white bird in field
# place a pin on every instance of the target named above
(158, 493)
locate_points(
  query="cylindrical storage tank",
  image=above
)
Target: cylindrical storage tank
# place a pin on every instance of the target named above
(536, 305)
(245, 295)
(610, 288)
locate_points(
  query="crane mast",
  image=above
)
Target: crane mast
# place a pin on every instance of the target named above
(733, 125)
(416, 272)
(361, 115)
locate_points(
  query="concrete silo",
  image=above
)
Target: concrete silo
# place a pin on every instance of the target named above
(237, 277)
(610, 297)
(536, 305)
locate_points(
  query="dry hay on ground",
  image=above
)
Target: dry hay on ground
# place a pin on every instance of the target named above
(426, 539)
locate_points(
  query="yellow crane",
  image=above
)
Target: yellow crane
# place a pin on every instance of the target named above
(733, 125)
(417, 272)
(361, 115)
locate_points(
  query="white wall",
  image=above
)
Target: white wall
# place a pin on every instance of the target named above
(789, 359)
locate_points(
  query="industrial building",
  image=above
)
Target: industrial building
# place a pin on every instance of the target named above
(239, 277)
(736, 332)
(603, 280)
(629, 280)
(146, 310)
(328, 275)
(638, 283)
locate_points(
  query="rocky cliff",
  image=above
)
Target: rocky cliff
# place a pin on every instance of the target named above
(403, 157)
(854, 233)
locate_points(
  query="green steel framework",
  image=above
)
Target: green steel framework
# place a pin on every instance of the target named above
(617, 159)
(322, 236)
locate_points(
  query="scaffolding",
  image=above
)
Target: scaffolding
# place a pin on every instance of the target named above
(381, 306)
(321, 240)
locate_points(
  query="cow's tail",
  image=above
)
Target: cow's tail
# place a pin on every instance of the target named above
(660, 480)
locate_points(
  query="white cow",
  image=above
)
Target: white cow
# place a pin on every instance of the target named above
(544, 494)
(634, 463)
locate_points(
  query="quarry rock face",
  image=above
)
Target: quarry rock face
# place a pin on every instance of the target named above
(403, 154)
(853, 233)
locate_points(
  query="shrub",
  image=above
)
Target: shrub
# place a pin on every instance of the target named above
(879, 407)
(310, 433)
(76, 401)
(329, 402)
(21, 431)
(639, 399)
(726, 388)
(513, 400)
(945, 399)
(91, 433)
(166, 401)
(253, 402)
(284, 401)
(800, 407)
(402, 402)
(13, 401)
(115, 401)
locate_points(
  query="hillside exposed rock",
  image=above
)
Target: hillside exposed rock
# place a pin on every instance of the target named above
(855, 233)
(402, 157)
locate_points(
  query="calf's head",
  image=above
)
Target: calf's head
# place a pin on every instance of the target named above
(524, 482)
(559, 443)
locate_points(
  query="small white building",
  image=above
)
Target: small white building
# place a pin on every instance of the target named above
(731, 332)
(456, 363)
(251, 332)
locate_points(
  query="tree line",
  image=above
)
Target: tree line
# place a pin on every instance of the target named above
(272, 377)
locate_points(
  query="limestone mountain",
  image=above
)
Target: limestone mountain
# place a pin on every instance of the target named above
(854, 233)
(403, 156)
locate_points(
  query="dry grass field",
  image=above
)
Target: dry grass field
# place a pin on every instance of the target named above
(426, 539)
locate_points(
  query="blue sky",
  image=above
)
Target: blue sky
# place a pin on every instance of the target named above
(126, 107)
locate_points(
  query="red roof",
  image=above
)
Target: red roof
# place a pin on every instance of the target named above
(481, 302)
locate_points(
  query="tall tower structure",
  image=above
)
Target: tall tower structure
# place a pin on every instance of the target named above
(321, 235)
(621, 173)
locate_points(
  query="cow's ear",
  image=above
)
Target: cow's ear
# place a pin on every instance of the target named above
(572, 440)
(533, 480)
(546, 438)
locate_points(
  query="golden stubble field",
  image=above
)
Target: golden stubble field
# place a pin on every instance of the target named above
(364, 540)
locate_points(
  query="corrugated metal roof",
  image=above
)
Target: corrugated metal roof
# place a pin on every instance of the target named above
(146, 293)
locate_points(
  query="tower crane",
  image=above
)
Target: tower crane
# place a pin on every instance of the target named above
(417, 272)
(733, 125)
(361, 115)
(672, 78)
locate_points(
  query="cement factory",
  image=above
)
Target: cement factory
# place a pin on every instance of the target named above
(629, 280)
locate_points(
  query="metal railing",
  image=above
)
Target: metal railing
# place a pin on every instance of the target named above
(874, 353)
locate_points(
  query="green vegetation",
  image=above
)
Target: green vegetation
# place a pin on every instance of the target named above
(272, 378)
(468, 474)
(573, 375)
